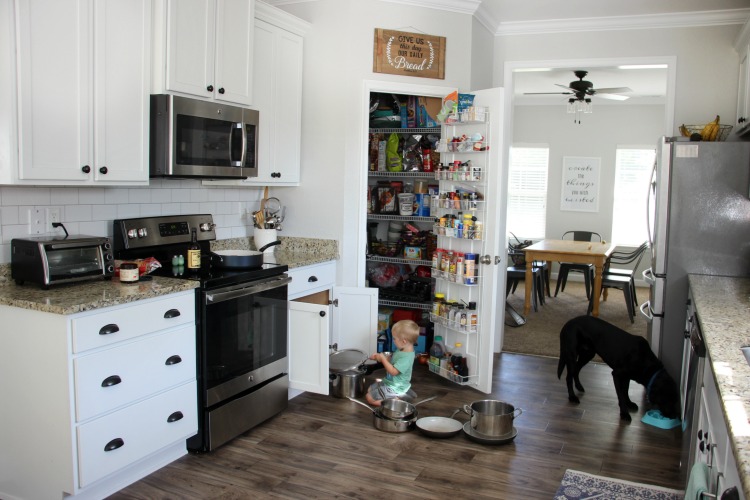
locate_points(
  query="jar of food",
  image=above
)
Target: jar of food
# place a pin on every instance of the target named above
(129, 272)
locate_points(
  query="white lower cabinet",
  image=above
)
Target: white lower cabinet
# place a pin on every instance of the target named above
(100, 399)
(714, 446)
(320, 315)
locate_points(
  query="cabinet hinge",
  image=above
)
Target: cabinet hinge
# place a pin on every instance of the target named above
(334, 302)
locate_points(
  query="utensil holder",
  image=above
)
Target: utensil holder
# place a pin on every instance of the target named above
(264, 237)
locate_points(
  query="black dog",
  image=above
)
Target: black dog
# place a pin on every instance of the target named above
(629, 356)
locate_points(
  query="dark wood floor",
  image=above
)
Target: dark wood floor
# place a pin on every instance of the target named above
(324, 447)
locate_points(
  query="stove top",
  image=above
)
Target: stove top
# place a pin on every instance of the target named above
(213, 277)
(168, 236)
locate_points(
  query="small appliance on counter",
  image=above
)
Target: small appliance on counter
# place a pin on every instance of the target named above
(50, 260)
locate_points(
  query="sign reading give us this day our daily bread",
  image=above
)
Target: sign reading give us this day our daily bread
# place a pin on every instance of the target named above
(409, 54)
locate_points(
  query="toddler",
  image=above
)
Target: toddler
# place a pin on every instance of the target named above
(398, 368)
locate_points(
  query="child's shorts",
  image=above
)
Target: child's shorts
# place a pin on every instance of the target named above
(375, 388)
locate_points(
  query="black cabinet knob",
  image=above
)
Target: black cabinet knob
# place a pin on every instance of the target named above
(322, 314)
(221, 90)
(174, 417)
(172, 313)
(103, 170)
(109, 329)
(85, 169)
(173, 360)
(111, 380)
(210, 88)
(114, 444)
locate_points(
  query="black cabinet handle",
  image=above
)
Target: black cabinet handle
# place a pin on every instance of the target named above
(322, 314)
(109, 329)
(114, 444)
(312, 279)
(103, 170)
(85, 169)
(276, 175)
(174, 417)
(221, 90)
(210, 88)
(172, 313)
(111, 380)
(173, 360)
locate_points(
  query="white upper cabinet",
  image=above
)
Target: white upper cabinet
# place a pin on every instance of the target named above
(83, 73)
(210, 49)
(277, 91)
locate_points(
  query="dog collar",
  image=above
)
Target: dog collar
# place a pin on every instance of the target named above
(651, 382)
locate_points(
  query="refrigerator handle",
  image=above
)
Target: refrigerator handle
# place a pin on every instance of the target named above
(651, 188)
(646, 310)
(648, 276)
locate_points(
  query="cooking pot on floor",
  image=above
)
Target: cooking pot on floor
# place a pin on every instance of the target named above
(346, 378)
(491, 417)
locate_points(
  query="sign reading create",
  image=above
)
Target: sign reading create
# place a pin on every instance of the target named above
(580, 184)
(409, 54)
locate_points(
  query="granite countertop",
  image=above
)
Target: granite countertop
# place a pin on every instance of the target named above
(723, 306)
(95, 294)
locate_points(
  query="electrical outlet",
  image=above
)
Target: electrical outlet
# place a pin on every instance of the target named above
(53, 215)
(36, 220)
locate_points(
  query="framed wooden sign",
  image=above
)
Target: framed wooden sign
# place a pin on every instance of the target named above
(408, 54)
(580, 184)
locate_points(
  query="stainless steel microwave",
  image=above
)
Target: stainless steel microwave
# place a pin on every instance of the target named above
(190, 138)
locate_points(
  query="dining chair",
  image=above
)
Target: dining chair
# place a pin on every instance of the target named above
(586, 269)
(622, 279)
(518, 273)
(623, 259)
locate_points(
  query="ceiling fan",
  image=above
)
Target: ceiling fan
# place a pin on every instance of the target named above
(583, 90)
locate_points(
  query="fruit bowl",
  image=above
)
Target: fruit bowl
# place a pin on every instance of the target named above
(722, 135)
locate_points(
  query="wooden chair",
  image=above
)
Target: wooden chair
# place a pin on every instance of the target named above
(586, 269)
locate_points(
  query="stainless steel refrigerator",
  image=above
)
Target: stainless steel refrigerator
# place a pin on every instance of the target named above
(699, 223)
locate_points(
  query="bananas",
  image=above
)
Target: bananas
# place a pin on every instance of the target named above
(711, 130)
(684, 131)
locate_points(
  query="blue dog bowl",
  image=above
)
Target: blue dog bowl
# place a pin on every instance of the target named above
(655, 418)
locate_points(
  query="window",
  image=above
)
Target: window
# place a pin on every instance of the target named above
(527, 191)
(633, 167)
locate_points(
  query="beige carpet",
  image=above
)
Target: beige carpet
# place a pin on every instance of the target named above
(540, 334)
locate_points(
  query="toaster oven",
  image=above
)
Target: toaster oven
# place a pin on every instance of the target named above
(49, 260)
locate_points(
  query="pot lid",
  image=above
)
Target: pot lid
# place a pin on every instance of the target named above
(346, 360)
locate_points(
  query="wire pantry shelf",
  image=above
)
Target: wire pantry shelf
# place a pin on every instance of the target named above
(422, 306)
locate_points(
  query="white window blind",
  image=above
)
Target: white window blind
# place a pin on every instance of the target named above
(632, 176)
(527, 191)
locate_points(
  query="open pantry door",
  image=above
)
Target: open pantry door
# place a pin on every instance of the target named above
(476, 177)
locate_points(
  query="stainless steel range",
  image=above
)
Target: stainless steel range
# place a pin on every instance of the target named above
(241, 326)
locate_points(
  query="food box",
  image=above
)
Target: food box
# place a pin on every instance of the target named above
(384, 318)
(413, 253)
(412, 314)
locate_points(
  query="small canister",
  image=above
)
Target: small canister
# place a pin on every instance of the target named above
(128, 272)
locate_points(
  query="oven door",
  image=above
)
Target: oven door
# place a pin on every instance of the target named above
(243, 338)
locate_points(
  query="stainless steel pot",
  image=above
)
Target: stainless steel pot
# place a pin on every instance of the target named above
(491, 417)
(348, 384)
(240, 259)
(346, 377)
(400, 409)
(386, 424)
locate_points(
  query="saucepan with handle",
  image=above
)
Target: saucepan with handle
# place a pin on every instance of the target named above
(240, 259)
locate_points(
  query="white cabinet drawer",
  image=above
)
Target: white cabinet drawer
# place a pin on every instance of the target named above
(132, 320)
(135, 432)
(115, 377)
(311, 279)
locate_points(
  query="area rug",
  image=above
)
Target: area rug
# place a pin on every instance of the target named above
(540, 335)
(576, 485)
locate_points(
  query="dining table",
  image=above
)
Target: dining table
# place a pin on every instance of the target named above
(577, 252)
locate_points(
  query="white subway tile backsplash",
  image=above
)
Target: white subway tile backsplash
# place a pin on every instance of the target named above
(91, 210)
(91, 196)
(9, 215)
(64, 196)
(77, 213)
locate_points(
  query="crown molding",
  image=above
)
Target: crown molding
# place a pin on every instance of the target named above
(273, 15)
(672, 20)
(457, 6)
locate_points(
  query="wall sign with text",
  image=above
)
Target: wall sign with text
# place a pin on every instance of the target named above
(580, 184)
(408, 54)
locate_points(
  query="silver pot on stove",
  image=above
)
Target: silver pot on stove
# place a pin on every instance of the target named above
(347, 372)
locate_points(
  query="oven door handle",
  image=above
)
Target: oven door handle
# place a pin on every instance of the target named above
(257, 287)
